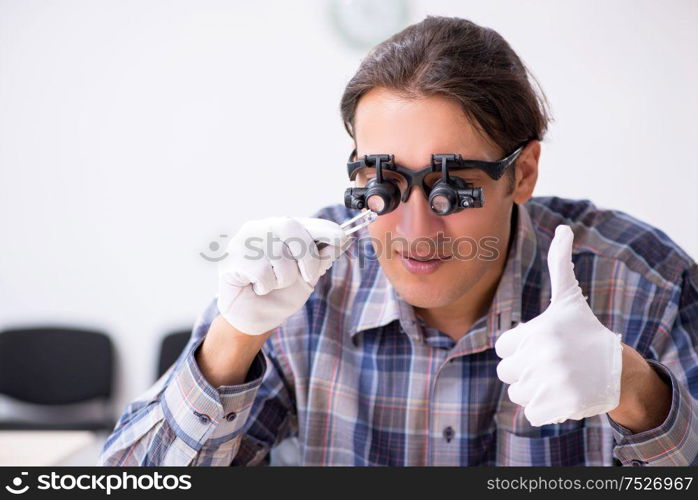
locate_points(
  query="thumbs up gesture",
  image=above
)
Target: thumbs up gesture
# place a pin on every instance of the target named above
(563, 364)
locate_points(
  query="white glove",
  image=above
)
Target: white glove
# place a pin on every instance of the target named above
(272, 267)
(563, 364)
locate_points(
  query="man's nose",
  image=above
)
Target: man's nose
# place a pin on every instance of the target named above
(416, 219)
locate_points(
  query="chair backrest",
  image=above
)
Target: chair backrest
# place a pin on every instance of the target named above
(56, 366)
(171, 347)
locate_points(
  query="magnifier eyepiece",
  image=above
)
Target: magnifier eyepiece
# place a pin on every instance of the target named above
(443, 199)
(392, 184)
(382, 197)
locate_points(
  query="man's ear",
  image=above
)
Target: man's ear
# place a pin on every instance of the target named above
(353, 156)
(526, 172)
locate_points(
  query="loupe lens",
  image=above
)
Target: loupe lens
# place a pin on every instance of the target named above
(440, 204)
(376, 203)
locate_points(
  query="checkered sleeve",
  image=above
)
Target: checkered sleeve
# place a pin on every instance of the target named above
(674, 441)
(182, 419)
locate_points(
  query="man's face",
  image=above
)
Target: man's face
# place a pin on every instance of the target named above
(412, 130)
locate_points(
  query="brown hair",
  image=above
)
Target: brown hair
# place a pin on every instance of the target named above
(458, 59)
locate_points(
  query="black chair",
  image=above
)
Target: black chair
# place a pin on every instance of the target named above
(57, 379)
(171, 347)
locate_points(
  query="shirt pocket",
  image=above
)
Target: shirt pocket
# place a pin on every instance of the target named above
(565, 449)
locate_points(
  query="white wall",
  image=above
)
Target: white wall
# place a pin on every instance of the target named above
(129, 131)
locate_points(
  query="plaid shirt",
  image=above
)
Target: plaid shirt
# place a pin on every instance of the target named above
(361, 381)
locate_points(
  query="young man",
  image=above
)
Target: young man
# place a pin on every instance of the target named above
(490, 328)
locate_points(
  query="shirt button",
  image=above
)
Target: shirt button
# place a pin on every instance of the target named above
(231, 416)
(204, 419)
(449, 433)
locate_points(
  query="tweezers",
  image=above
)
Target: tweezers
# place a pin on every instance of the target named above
(368, 216)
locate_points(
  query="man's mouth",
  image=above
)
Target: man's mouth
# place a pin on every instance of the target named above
(423, 257)
(422, 264)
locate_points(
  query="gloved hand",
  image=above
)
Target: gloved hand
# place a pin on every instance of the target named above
(563, 364)
(272, 267)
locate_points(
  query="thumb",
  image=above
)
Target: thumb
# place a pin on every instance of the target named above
(563, 283)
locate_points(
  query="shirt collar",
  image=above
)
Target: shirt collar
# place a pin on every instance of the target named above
(377, 303)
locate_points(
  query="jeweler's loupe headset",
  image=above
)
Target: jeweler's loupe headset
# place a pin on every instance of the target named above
(393, 183)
